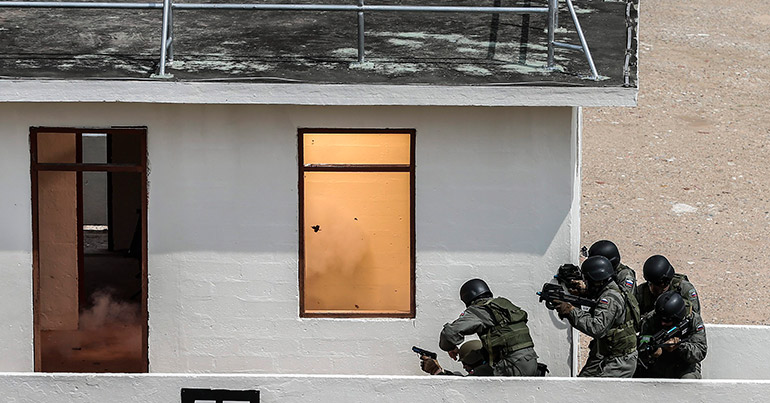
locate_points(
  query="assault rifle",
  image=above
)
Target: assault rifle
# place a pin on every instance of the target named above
(649, 344)
(553, 292)
(569, 272)
(422, 352)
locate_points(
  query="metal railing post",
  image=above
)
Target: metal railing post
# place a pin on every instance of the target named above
(583, 43)
(556, 15)
(170, 51)
(553, 8)
(164, 39)
(361, 32)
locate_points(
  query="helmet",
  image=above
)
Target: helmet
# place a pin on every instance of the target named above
(471, 353)
(597, 269)
(473, 289)
(658, 270)
(607, 249)
(670, 306)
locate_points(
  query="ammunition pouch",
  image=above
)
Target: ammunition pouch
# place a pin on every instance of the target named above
(619, 341)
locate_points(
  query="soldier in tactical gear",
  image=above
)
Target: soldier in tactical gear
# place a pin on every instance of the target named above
(625, 277)
(501, 327)
(471, 354)
(678, 357)
(611, 323)
(660, 277)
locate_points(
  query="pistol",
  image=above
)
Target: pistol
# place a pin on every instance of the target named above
(422, 352)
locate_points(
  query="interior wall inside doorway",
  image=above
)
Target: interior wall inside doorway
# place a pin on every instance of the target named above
(90, 312)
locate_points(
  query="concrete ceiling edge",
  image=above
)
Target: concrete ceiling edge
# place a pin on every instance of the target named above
(175, 92)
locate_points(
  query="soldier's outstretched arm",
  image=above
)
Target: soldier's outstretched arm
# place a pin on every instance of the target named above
(470, 321)
(600, 322)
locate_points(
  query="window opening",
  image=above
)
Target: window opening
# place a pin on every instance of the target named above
(89, 215)
(357, 222)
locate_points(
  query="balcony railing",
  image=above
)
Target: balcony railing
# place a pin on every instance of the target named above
(168, 8)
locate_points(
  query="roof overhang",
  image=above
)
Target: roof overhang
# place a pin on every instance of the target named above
(310, 94)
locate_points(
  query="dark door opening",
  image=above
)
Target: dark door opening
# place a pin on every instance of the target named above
(89, 224)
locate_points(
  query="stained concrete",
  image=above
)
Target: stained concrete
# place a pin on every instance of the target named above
(320, 47)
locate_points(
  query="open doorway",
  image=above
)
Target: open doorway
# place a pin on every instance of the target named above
(89, 226)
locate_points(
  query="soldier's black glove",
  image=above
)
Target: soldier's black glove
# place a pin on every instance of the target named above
(563, 308)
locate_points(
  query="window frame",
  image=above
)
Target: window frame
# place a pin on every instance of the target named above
(302, 168)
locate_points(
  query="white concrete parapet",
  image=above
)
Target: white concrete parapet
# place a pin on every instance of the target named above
(737, 352)
(166, 388)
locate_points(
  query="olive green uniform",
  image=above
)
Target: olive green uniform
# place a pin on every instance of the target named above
(626, 279)
(481, 370)
(502, 329)
(684, 361)
(680, 284)
(613, 351)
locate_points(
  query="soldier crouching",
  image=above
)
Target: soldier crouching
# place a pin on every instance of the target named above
(682, 340)
(500, 325)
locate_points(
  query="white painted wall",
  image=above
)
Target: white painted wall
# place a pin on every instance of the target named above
(91, 388)
(15, 249)
(495, 198)
(737, 352)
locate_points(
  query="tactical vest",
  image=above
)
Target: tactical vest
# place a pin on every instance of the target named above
(646, 300)
(510, 331)
(676, 282)
(621, 340)
(632, 305)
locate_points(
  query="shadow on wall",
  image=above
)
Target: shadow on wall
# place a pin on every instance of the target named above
(509, 194)
(486, 180)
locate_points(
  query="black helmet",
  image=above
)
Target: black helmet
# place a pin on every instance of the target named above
(597, 269)
(473, 289)
(658, 270)
(607, 249)
(471, 353)
(670, 307)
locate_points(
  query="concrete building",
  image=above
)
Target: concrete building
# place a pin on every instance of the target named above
(277, 202)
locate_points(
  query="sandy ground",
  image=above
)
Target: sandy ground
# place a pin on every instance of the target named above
(685, 174)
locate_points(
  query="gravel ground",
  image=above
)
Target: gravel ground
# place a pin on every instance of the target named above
(685, 174)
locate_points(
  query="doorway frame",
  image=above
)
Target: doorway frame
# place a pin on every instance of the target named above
(80, 167)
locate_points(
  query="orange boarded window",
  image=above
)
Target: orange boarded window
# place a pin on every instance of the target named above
(357, 223)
